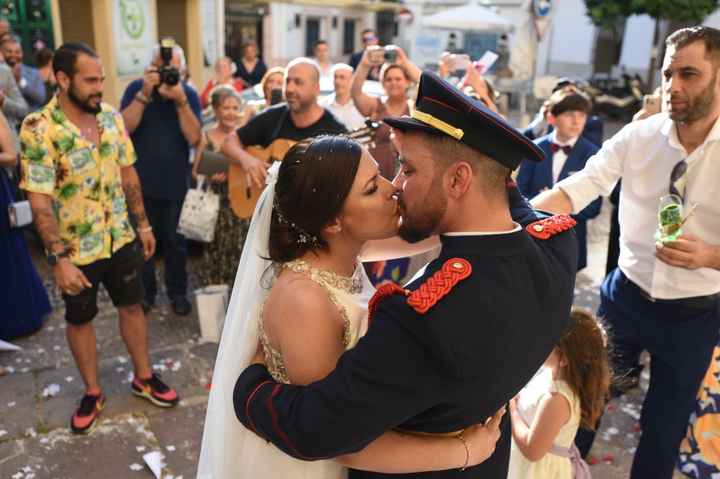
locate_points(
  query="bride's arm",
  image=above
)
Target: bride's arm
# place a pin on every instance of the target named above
(397, 453)
(395, 247)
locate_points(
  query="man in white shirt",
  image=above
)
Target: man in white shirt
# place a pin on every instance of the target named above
(321, 50)
(663, 299)
(340, 103)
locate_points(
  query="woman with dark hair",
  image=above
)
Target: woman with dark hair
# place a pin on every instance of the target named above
(251, 67)
(301, 294)
(220, 258)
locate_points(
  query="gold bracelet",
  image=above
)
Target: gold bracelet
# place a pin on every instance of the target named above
(182, 103)
(467, 451)
(144, 230)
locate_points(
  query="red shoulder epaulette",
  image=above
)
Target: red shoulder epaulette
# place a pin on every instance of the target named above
(387, 289)
(549, 227)
(439, 284)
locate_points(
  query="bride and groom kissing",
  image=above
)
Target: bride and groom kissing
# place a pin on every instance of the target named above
(398, 382)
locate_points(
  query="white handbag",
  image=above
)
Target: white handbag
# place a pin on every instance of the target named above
(19, 212)
(199, 214)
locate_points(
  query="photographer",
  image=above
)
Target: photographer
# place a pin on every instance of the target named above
(163, 115)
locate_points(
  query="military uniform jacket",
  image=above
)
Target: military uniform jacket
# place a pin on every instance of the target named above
(441, 371)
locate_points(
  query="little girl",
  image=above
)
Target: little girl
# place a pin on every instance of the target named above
(568, 391)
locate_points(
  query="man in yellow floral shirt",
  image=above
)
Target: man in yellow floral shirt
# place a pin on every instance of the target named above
(77, 167)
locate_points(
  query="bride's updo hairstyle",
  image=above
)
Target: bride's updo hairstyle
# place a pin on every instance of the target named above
(314, 179)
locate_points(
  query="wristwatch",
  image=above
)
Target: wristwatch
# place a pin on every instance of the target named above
(54, 258)
(140, 96)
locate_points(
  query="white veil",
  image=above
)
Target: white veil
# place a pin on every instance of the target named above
(223, 434)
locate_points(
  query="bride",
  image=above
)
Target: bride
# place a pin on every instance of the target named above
(301, 292)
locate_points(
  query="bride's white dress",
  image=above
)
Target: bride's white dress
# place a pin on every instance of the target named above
(248, 456)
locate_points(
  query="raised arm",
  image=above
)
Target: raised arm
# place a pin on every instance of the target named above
(365, 104)
(341, 413)
(411, 70)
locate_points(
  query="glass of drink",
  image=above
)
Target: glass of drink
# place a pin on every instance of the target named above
(670, 218)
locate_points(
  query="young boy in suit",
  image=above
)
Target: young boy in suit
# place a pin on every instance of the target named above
(566, 152)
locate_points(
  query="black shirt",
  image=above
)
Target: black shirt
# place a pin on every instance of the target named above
(275, 122)
(251, 77)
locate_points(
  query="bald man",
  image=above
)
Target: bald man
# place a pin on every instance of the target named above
(299, 118)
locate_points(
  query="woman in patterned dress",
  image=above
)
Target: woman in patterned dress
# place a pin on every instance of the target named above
(220, 258)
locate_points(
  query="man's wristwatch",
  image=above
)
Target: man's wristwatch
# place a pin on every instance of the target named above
(54, 258)
(140, 96)
(182, 103)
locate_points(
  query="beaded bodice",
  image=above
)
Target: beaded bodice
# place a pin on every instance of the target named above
(349, 294)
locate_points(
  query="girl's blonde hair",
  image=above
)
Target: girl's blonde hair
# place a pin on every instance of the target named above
(587, 372)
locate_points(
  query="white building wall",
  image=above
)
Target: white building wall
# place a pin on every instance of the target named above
(286, 41)
(571, 42)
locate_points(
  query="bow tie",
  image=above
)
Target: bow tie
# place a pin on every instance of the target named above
(565, 148)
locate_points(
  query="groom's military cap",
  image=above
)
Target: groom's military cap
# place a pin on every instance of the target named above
(442, 109)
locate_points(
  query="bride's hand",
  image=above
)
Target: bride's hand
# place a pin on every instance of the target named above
(259, 357)
(481, 438)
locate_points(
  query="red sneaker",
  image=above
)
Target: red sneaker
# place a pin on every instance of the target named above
(155, 391)
(87, 413)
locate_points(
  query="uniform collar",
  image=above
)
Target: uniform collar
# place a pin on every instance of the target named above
(502, 244)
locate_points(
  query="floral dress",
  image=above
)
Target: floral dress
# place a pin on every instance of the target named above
(220, 258)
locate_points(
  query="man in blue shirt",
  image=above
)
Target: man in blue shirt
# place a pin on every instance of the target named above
(28, 78)
(164, 123)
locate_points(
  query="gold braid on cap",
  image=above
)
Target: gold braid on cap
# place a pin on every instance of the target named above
(437, 123)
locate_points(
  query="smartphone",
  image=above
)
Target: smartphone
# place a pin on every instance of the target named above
(390, 53)
(486, 61)
(458, 61)
(276, 96)
(376, 55)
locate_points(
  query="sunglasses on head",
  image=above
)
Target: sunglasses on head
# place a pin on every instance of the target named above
(368, 39)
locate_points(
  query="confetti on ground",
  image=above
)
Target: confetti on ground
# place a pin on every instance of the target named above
(122, 359)
(11, 404)
(612, 431)
(56, 348)
(30, 432)
(140, 448)
(208, 386)
(69, 379)
(608, 458)
(592, 460)
(155, 462)
(3, 433)
(44, 440)
(170, 448)
(10, 369)
(51, 391)
(176, 366)
(135, 467)
(119, 369)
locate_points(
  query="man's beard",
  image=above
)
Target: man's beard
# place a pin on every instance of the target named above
(299, 106)
(698, 107)
(84, 105)
(416, 228)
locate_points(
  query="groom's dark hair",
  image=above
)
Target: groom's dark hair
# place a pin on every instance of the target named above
(314, 180)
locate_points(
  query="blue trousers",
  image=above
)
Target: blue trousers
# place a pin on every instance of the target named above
(680, 339)
(164, 216)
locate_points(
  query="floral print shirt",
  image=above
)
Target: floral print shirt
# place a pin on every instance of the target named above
(83, 180)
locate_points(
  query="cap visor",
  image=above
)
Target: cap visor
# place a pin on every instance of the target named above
(406, 123)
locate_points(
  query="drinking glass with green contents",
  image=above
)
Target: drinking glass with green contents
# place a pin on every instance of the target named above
(670, 218)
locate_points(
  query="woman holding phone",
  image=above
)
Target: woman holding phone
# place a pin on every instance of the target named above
(396, 77)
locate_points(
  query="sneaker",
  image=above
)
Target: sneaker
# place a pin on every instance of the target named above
(86, 415)
(155, 391)
(181, 305)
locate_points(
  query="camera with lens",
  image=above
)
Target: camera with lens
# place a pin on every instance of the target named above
(379, 55)
(169, 75)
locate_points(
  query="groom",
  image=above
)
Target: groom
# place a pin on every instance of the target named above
(465, 337)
